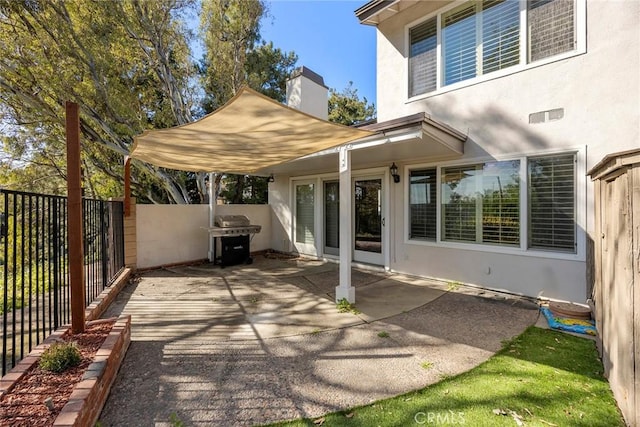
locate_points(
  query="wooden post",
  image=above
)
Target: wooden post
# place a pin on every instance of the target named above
(127, 186)
(74, 218)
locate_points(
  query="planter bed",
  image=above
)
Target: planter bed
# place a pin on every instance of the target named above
(77, 395)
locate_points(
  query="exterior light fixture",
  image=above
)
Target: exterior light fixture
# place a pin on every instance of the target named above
(394, 173)
(271, 178)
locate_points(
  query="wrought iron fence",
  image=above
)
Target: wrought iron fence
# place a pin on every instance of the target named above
(34, 264)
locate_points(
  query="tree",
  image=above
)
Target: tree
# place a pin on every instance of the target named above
(234, 57)
(346, 107)
(128, 65)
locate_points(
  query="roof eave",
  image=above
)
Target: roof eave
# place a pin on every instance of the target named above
(368, 12)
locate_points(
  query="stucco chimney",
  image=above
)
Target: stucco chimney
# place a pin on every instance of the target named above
(306, 92)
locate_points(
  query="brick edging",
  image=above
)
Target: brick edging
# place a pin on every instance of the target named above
(106, 297)
(90, 394)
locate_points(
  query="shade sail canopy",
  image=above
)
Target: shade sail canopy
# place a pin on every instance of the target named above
(250, 132)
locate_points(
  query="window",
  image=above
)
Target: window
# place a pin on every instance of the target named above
(478, 38)
(422, 204)
(481, 203)
(552, 203)
(305, 216)
(551, 27)
(422, 58)
(459, 40)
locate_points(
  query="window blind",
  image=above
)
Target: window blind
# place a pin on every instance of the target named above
(551, 27)
(459, 204)
(422, 58)
(459, 44)
(501, 203)
(305, 216)
(422, 204)
(552, 203)
(500, 34)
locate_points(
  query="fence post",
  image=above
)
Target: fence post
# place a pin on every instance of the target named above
(74, 194)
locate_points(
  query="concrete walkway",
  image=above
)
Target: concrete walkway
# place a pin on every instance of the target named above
(261, 343)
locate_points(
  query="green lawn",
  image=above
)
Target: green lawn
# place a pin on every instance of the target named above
(541, 378)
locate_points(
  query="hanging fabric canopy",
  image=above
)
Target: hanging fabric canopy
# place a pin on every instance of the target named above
(249, 133)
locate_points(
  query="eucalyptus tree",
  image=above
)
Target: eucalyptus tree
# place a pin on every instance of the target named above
(235, 56)
(125, 63)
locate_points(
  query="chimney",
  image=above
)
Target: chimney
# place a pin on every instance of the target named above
(306, 92)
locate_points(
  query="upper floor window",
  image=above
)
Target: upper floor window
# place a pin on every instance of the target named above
(479, 38)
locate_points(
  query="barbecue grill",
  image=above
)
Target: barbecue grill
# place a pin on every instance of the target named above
(235, 233)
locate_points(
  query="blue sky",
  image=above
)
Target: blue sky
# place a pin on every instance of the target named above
(328, 39)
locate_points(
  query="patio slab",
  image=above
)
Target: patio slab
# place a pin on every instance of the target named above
(243, 346)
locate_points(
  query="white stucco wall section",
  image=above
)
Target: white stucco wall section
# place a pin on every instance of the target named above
(170, 234)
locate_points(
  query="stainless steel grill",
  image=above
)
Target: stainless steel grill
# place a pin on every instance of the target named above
(227, 225)
(235, 233)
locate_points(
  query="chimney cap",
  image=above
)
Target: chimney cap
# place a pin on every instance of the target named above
(308, 73)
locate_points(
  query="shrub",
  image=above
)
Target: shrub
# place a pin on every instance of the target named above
(60, 356)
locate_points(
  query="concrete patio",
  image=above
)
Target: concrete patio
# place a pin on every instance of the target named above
(264, 342)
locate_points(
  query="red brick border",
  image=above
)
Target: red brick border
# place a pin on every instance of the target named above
(106, 297)
(90, 394)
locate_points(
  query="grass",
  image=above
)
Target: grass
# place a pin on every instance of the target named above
(541, 378)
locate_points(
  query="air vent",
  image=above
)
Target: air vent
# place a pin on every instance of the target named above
(546, 116)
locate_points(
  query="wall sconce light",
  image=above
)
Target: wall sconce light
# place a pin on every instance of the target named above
(271, 178)
(394, 173)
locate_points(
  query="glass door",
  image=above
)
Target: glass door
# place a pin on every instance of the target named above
(304, 218)
(368, 220)
(332, 217)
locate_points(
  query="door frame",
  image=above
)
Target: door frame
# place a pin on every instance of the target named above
(381, 173)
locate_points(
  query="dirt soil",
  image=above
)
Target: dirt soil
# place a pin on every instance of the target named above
(24, 404)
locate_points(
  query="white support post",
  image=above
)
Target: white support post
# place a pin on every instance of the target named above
(212, 213)
(344, 289)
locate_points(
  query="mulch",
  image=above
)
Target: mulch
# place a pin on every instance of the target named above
(24, 405)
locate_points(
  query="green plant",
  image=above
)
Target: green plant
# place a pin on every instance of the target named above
(175, 421)
(383, 334)
(453, 285)
(426, 365)
(60, 356)
(345, 306)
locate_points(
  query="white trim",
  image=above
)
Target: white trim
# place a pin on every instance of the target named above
(580, 49)
(304, 248)
(522, 250)
(374, 258)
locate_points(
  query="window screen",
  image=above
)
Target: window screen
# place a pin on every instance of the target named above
(551, 27)
(422, 204)
(422, 58)
(552, 203)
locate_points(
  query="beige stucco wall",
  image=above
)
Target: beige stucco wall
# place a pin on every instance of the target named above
(168, 234)
(599, 90)
(600, 93)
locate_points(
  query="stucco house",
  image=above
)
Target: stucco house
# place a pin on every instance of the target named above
(492, 113)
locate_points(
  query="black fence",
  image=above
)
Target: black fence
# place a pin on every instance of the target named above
(34, 264)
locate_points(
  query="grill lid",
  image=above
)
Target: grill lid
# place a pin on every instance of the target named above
(231, 221)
